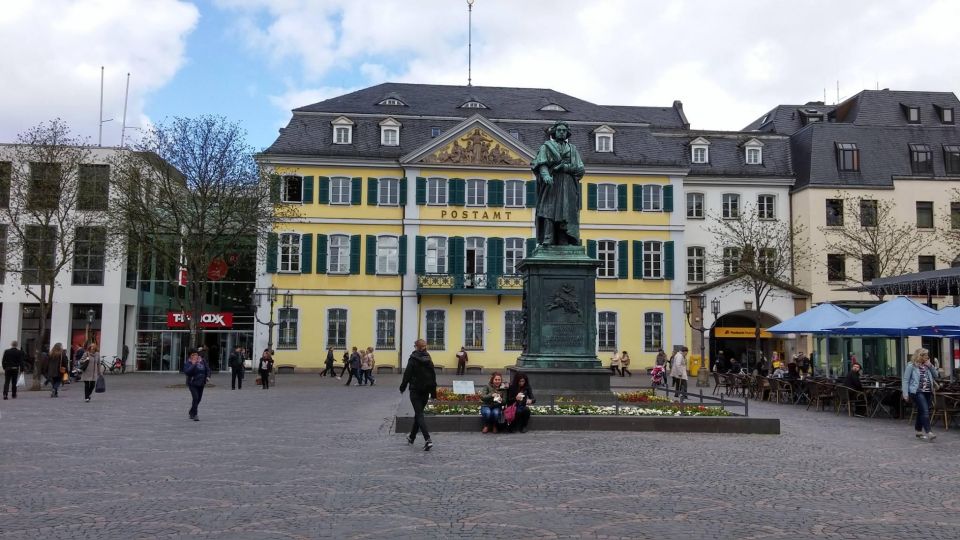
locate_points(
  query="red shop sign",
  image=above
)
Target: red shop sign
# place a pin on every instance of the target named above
(207, 320)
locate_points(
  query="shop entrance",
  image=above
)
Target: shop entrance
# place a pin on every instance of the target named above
(733, 334)
(221, 344)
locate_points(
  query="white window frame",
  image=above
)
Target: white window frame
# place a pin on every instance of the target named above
(392, 102)
(696, 146)
(513, 253)
(944, 113)
(346, 125)
(476, 192)
(389, 132)
(388, 256)
(652, 259)
(514, 194)
(342, 257)
(377, 327)
(517, 343)
(439, 249)
(729, 210)
(603, 344)
(731, 260)
(607, 255)
(604, 142)
(479, 244)
(470, 319)
(442, 345)
(754, 155)
(652, 196)
(602, 190)
(696, 264)
(284, 198)
(473, 104)
(388, 192)
(437, 189)
(288, 253)
(766, 206)
(341, 195)
(346, 328)
(703, 199)
(284, 327)
(652, 325)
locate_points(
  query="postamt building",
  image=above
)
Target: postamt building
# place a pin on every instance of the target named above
(416, 204)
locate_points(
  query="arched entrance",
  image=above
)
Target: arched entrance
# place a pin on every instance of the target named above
(733, 333)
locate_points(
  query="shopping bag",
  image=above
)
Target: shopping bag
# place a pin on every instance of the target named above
(21, 382)
(510, 413)
(101, 385)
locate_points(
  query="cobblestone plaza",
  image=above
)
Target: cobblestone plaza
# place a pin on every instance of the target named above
(310, 458)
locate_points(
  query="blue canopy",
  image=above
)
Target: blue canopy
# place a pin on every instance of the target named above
(898, 317)
(946, 322)
(813, 321)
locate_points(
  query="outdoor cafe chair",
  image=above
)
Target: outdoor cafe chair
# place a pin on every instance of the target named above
(762, 388)
(720, 382)
(820, 395)
(785, 389)
(946, 404)
(851, 398)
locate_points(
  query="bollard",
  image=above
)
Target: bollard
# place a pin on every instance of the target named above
(746, 406)
(701, 396)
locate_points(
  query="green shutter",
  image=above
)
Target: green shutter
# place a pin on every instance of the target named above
(306, 253)
(323, 188)
(668, 260)
(321, 254)
(371, 255)
(355, 254)
(592, 249)
(403, 191)
(421, 190)
(402, 263)
(637, 259)
(458, 192)
(531, 193)
(621, 197)
(668, 198)
(622, 247)
(274, 188)
(495, 256)
(637, 198)
(372, 196)
(356, 189)
(308, 190)
(420, 256)
(495, 193)
(272, 245)
(455, 245)
(531, 245)
(591, 196)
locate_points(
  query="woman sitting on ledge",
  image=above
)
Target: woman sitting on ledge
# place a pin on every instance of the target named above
(520, 394)
(492, 399)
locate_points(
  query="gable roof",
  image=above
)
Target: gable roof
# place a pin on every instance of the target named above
(788, 119)
(885, 107)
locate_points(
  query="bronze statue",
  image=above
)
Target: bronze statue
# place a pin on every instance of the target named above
(558, 169)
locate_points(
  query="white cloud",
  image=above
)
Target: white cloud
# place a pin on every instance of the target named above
(53, 51)
(728, 60)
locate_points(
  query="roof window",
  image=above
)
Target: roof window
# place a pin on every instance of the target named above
(392, 102)
(553, 107)
(473, 104)
(911, 113)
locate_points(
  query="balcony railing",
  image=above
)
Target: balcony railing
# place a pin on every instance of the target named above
(470, 283)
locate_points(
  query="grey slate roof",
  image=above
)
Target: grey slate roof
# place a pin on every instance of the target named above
(787, 119)
(727, 155)
(883, 107)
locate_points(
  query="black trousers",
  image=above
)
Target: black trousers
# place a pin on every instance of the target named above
(344, 370)
(419, 401)
(88, 387)
(354, 374)
(10, 381)
(330, 369)
(196, 393)
(236, 378)
(522, 419)
(679, 386)
(264, 379)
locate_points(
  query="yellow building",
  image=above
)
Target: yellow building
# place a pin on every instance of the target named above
(417, 204)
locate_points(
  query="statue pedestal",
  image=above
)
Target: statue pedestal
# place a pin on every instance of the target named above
(559, 309)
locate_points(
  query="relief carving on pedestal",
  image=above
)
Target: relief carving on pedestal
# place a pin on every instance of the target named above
(477, 148)
(565, 299)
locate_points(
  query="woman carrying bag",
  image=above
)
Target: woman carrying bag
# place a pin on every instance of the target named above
(89, 370)
(56, 368)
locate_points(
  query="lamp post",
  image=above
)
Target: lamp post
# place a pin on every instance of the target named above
(703, 376)
(91, 316)
(271, 296)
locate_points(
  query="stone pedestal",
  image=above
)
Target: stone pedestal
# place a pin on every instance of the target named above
(560, 330)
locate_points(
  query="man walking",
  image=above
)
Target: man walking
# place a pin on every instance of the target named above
(236, 368)
(678, 371)
(420, 376)
(328, 364)
(197, 372)
(12, 363)
(354, 367)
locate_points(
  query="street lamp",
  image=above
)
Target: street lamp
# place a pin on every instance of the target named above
(703, 376)
(91, 316)
(271, 296)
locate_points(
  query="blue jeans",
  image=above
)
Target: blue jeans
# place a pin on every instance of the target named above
(921, 401)
(491, 415)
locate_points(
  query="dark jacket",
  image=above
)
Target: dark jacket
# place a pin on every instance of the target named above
(235, 361)
(853, 380)
(354, 360)
(330, 360)
(419, 374)
(197, 374)
(514, 390)
(12, 359)
(265, 364)
(54, 363)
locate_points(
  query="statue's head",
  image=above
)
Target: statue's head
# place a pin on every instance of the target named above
(559, 130)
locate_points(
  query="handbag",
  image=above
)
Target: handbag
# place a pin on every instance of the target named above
(247, 364)
(101, 385)
(64, 376)
(510, 413)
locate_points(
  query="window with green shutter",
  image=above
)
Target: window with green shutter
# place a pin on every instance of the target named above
(420, 254)
(273, 243)
(531, 193)
(372, 195)
(458, 192)
(637, 259)
(591, 196)
(308, 190)
(495, 256)
(622, 272)
(355, 254)
(668, 199)
(592, 249)
(403, 191)
(371, 255)
(621, 197)
(421, 190)
(495, 193)
(637, 198)
(274, 188)
(306, 253)
(321, 254)
(402, 268)
(668, 260)
(531, 245)
(356, 189)
(456, 255)
(323, 190)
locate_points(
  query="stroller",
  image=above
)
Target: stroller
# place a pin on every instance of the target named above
(659, 376)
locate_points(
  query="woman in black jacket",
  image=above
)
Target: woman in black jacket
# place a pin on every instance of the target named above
(521, 394)
(420, 376)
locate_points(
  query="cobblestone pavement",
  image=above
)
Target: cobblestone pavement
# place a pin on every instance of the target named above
(313, 459)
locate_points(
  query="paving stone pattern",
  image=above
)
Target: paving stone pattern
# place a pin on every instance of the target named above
(311, 458)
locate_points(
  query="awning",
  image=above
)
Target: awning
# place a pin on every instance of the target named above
(813, 321)
(898, 317)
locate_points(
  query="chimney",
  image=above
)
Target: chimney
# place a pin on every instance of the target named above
(678, 106)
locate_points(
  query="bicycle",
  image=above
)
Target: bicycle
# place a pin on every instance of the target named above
(114, 368)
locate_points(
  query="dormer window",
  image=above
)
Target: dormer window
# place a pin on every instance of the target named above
(342, 130)
(515, 134)
(604, 139)
(912, 114)
(921, 159)
(390, 132)
(700, 151)
(434, 132)
(473, 104)
(810, 116)
(945, 114)
(753, 151)
(552, 107)
(392, 102)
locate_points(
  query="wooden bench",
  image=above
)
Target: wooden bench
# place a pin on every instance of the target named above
(286, 368)
(384, 369)
(476, 370)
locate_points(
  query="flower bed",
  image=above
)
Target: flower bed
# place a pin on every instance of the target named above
(570, 409)
(641, 397)
(446, 394)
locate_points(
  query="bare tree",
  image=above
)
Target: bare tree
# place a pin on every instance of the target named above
(757, 256)
(950, 229)
(191, 193)
(54, 214)
(867, 230)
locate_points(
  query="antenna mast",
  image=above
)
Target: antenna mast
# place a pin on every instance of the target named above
(123, 128)
(100, 136)
(470, 42)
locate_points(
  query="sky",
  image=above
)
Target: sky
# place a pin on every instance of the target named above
(253, 61)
